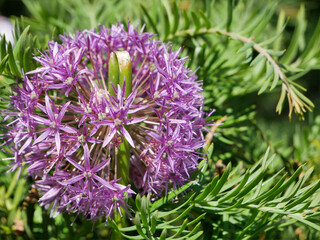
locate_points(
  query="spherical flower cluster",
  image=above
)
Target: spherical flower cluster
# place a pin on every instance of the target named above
(68, 128)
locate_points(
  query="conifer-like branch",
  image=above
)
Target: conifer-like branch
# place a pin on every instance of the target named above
(297, 101)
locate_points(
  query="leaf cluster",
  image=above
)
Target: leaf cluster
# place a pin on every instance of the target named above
(238, 204)
(226, 49)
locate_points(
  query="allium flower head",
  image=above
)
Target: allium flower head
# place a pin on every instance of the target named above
(82, 134)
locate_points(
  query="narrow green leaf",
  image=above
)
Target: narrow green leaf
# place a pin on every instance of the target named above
(176, 17)
(12, 185)
(205, 19)
(207, 189)
(312, 46)
(249, 56)
(163, 235)
(236, 190)
(18, 193)
(175, 210)
(153, 224)
(276, 53)
(264, 86)
(305, 221)
(293, 192)
(221, 182)
(201, 55)
(191, 235)
(270, 192)
(225, 140)
(138, 225)
(249, 223)
(151, 22)
(148, 201)
(27, 60)
(12, 62)
(246, 46)
(197, 219)
(315, 200)
(182, 227)
(144, 207)
(171, 195)
(115, 228)
(164, 20)
(186, 20)
(279, 32)
(275, 80)
(286, 184)
(304, 196)
(3, 63)
(292, 69)
(260, 28)
(281, 99)
(138, 202)
(210, 151)
(26, 226)
(196, 21)
(182, 215)
(3, 52)
(302, 97)
(195, 230)
(195, 236)
(281, 24)
(229, 14)
(20, 45)
(296, 38)
(269, 71)
(11, 216)
(251, 184)
(300, 208)
(236, 205)
(256, 60)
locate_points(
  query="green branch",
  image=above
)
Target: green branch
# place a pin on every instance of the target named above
(297, 101)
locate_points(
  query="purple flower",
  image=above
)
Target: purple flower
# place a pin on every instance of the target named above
(64, 123)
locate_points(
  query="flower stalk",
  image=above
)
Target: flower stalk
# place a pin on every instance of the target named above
(113, 73)
(120, 72)
(125, 70)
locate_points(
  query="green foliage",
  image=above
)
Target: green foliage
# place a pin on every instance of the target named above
(198, 31)
(248, 53)
(69, 16)
(256, 201)
(272, 199)
(15, 58)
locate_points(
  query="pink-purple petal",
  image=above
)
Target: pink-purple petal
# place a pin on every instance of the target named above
(58, 141)
(100, 166)
(73, 148)
(41, 120)
(86, 156)
(43, 136)
(126, 135)
(75, 164)
(109, 137)
(72, 180)
(62, 112)
(104, 182)
(68, 129)
(49, 108)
